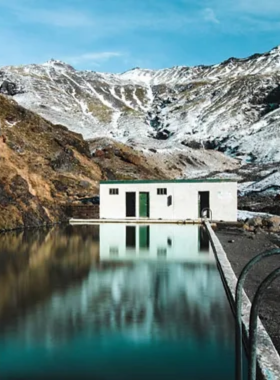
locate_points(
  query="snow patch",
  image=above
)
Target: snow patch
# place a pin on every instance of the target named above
(243, 214)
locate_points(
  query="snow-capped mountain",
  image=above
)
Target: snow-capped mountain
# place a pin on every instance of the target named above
(232, 107)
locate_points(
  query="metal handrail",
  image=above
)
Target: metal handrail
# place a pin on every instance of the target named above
(206, 209)
(238, 307)
(254, 321)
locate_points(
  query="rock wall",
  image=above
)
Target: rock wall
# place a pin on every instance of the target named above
(82, 211)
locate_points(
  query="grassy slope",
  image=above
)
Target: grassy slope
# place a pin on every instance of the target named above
(41, 166)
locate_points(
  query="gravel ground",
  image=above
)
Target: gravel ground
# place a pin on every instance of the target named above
(240, 247)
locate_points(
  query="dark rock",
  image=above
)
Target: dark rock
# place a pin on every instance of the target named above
(215, 93)
(64, 161)
(163, 135)
(37, 218)
(192, 144)
(155, 122)
(19, 189)
(85, 184)
(60, 186)
(273, 223)
(5, 197)
(270, 102)
(254, 222)
(273, 97)
(98, 153)
(211, 145)
(230, 60)
(8, 88)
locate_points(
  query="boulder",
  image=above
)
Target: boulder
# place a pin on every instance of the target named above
(272, 223)
(99, 153)
(254, 222)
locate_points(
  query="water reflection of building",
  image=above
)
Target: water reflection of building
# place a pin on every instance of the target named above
(177, 295)
(155, 241)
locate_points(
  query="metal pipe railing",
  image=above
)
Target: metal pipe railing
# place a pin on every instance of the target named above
(238, 307)
(210, 213)
(254, 321)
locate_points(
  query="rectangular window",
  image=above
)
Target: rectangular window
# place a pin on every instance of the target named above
(161, 252)
(114, 251)
(162, 191)
(114, 191)
(169, 200)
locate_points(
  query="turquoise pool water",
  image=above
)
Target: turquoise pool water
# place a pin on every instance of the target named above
(113, 302)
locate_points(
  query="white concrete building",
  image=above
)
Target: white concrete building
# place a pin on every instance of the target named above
(169, 200)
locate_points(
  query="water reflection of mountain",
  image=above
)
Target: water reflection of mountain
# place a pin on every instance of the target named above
(143, 301)
(57, 287)
(35, 263)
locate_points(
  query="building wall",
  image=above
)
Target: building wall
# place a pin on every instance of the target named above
(223, 200)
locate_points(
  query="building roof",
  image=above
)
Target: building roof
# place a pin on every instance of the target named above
(206, 180)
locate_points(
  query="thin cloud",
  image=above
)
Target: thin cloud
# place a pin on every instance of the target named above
(65, 18)
(56, 16)
(239, 8)
(210, 16)
(167, 18)
(257, 7)
(94, 58)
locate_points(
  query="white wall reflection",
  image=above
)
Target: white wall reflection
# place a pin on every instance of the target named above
(156, 241)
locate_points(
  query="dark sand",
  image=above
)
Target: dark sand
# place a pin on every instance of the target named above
(245, 246)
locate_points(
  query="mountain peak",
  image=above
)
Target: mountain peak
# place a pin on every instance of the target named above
(275, 50)
(58, 64)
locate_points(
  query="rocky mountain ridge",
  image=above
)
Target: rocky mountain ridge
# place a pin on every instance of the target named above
(231, 107)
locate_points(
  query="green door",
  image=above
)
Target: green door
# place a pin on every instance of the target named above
(144, 206)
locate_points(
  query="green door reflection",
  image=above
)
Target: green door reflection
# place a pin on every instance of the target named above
(144, 237)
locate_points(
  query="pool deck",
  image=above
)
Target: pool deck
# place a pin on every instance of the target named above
(268, 357)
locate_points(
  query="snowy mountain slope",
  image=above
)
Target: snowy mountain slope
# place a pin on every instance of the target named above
(270, 183)
(231, 107)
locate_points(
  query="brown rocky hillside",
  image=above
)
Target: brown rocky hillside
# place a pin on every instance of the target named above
(121, 162)
(43, 166)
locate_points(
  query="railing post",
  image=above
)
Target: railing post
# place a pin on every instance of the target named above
(254, 321)
(238, 309)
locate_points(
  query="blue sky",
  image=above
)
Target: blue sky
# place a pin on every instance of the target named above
(116, 35)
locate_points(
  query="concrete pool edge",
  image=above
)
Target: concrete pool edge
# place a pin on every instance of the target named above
(268, 357)
(138, 221)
